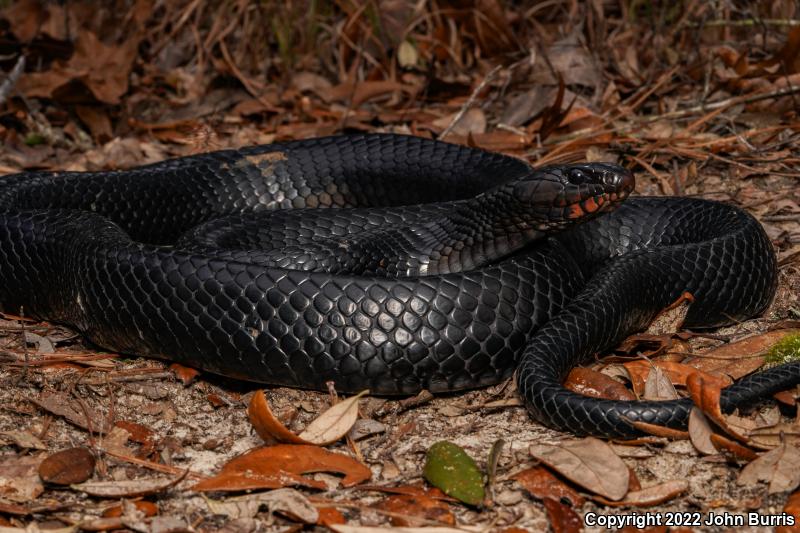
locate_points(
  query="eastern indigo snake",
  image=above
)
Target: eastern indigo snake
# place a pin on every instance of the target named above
(441, 268)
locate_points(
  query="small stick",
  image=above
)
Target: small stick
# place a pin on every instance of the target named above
(470, 101)
(746, 23)
(11, 80)
(728, 102)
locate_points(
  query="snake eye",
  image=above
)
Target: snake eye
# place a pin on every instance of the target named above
(577, 176)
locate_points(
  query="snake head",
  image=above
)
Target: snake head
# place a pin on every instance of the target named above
(572, 192)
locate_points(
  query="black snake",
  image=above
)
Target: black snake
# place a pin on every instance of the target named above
(440, 269)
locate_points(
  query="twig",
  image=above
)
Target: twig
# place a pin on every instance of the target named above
(158, 467)
(127, 379)
(746, 23)
(728, 102)
(11, 80)
(470, 101)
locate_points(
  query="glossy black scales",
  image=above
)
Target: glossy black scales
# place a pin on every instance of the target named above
(386, 262)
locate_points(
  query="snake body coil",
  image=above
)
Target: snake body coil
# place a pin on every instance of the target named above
(439, 269)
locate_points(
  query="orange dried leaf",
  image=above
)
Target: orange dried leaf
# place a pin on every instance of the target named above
(329, 427)
(148, 508)
(543, 484)
(787, 397)
(329, 516)
(597, 385)
(279, 466)
(792, 507)
(646, 344)
(721, 442)
(633, 481)
(137, 432)
(407, 510)
(676, 372)
(266, 423)
(659, 431)
(562, 518)
(185, 374)
(705, 391)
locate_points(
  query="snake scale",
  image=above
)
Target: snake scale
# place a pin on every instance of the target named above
(438, 267)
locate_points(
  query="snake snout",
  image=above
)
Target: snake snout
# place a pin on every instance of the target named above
(612, 178)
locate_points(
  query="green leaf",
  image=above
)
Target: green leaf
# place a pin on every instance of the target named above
(34, 139)
(448, 467)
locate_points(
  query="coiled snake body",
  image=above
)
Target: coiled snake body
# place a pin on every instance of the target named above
(440, 268)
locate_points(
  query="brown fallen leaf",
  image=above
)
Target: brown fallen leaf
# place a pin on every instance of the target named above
(770, 436)
(658, 431)
(365, 427)
(658, 386)
(409, 510)
(366, 90)
(589, 462)
(677, 373)
(562, 518)
(288, 502)
(24, 439)
(700, 432)
(73, 465)
(97, 120)
(329, 516)
(104, 70)
(327, 428)
(138, 433)
(279, 466)
(671, 319)
(780, 467)
(473, 121)
(597, 385)
(541, 484)
(117, 516)
(60, 404)
(743, 453)
(128, 489)
(185, 374)
(740, 358)
(649, 345)
(768, 417)
(148, 508)
(650, 496)
(19, 477)
(787, 397)
(496, 141)
(633, 481)
(116, 441)
(705, 391)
